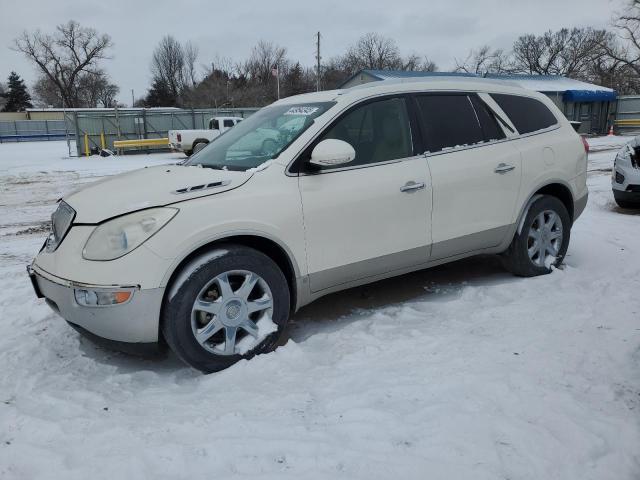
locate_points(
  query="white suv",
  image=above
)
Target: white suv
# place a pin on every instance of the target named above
(625, 176)
(216, 253)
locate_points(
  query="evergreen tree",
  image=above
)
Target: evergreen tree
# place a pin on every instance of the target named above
(295, 81)
(18, 98)
(160, 95)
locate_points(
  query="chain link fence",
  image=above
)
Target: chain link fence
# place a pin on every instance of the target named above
(96, 130)
(32, 130)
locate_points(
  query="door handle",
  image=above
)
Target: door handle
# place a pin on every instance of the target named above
(412, 187)
(503, 168)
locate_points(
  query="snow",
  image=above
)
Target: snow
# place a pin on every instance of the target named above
(459, 372)
(550, 83)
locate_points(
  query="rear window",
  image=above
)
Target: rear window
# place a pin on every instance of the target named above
(449, 121)
(527, 114)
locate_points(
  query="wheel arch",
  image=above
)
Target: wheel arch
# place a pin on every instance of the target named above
(557, 189)
(199, 140)
(262, 243)
(561, 192)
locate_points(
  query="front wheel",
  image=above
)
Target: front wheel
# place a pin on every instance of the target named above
(543, 240)
(229, 304)
(622, 203)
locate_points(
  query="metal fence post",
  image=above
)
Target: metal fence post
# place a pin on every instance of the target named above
(117, 122)
(193, 118)
(78, 143)
(144, 123)
(15, 129)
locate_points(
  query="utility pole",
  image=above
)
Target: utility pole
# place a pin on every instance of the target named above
(132, 99)
(318, 64)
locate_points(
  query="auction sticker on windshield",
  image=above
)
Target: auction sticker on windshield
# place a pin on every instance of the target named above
(301, 111)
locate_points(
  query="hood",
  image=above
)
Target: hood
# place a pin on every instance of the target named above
(149, 187)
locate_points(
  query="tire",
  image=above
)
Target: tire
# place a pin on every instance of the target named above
(534, 250)
(198, 146)
(216, 280)
(627, 204)
(188, 153)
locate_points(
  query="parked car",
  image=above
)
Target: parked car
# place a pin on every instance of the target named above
(215, 255)
(192, 141)
(625, 176)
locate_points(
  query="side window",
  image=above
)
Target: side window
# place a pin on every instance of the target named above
(228, 123)
(378, 131)
(526, 114)
(448, 121)
(488, 121)
(213, 124)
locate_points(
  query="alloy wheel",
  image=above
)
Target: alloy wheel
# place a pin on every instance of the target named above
(232, 313)
(545, 238)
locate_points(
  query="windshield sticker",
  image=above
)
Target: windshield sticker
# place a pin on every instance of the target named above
(306, 111)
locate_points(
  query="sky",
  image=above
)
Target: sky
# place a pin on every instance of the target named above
(440, 29)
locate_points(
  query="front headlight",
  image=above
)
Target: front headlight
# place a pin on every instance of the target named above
(121, 235)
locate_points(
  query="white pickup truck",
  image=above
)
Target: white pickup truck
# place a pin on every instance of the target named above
(192, 141)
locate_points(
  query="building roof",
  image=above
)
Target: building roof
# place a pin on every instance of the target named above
(571, 90)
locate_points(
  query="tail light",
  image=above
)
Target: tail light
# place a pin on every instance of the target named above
(585, 144)
(179, 137)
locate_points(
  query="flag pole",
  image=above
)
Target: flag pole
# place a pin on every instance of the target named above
(278, 78)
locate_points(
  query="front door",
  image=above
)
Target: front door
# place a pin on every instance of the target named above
(372, 216)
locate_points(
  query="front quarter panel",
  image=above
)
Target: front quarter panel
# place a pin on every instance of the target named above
(268, 206)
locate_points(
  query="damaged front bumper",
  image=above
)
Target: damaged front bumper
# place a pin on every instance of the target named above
(133, 321)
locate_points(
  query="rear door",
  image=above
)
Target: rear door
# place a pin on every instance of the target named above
(475, 173)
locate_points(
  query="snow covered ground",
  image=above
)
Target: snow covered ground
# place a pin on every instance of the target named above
(460, 372)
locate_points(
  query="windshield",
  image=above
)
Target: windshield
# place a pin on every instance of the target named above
(261, 137)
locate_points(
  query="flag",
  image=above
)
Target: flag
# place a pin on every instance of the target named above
(274, 70)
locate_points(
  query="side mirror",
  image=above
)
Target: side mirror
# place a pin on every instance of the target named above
(332, 152)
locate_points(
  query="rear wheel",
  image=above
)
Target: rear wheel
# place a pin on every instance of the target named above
(230, 304)
(543, 240)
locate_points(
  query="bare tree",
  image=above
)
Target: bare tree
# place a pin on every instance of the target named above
(96, 90)
(627, 52)
(46, 94)
(415, 63)
(484, 60)
(65, 55)
(428, 65)
(168, 65)
(564, 52)
(190, 58)
(264, 56)
(373, 51)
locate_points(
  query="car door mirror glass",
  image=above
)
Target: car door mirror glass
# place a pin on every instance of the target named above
(332, 152)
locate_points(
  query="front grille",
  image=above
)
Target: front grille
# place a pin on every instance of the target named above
(61, 221)
(633, 188)
(635, 157)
